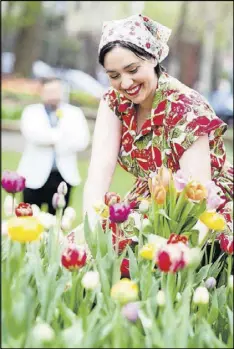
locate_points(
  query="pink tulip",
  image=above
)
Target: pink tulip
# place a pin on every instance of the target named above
(119, 212)
(12, 182)
(213, 199)
(180, 180)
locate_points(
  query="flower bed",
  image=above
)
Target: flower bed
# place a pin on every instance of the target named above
(147, 276)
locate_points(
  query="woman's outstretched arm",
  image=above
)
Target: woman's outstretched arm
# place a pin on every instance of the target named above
(105, 149)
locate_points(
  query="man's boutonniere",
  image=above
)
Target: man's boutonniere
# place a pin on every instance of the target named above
(59, 113)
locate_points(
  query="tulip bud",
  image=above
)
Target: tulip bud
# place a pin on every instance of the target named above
(36, 210)
(9, 206)
(160, 298)
(42, 332)
(66, 223)
(58, 201)
(210, 283)
(90, 280)
(47, 220)
(148, 252)
(62, 188)
(146, 226)
(4, 228)
(201, 295)
(70, 212)
(124, 268)
(131, 311)
(144, 206)
(74, 257)
(230, 282)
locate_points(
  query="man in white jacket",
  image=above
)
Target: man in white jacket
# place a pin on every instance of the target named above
(54, 132)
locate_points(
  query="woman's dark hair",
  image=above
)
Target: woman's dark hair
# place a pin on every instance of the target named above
(138, 51)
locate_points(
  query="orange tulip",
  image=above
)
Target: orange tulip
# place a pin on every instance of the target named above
(196, 191)
(164, 176)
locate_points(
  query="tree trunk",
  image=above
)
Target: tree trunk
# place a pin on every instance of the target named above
(28, 43)
(208, 47)
(175, 60)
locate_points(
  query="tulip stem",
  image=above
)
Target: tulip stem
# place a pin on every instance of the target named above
(13, 200)
(117, 239)
(212, 247)
(229, 266)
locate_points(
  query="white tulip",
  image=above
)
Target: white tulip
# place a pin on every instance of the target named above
(66, 223)
(136, 218)
(144, 206)
(201, 295)
(91, 280)
(47, 220)
(36, 210)
(70, 212)
(4, 228)
(160, 298)
(9, 208)
(203, 231)
(43, 332)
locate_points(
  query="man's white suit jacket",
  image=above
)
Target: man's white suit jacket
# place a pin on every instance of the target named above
(69, 137)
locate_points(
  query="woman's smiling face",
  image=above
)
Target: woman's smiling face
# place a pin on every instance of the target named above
(132, 76)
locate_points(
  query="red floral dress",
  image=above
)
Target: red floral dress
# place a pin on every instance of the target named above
(178, 117)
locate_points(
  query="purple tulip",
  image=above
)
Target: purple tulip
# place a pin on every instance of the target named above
(130, 311)
(180, 180)
(119, 212)
(213, 198)
(12, 182)
(210, 283)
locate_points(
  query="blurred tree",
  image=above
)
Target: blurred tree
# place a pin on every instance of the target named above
(27, 44)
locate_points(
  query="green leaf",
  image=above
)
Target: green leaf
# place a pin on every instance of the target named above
(202, 274)
(133, 267)
(214, 310)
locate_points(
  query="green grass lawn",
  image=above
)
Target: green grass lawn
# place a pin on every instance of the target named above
(122, 181)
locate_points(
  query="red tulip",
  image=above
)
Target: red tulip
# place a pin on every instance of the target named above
(124, 268)
(170, 258)
(111, 198)
(23, 209)
(175, 238)
(12, 182)
(73, 257)
(226, 243)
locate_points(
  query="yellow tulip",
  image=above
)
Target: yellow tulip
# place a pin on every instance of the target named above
(148, 252)
(124, 291)
(24, 229)
(102, 210)
(213, 220)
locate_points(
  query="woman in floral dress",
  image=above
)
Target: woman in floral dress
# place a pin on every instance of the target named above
(148, 118)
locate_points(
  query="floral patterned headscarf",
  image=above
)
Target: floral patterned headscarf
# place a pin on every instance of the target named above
(141, 31)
